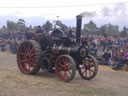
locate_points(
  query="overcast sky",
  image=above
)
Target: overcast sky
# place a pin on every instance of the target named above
(37, 11)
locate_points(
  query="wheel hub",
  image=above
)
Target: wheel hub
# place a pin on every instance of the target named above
(87, 67)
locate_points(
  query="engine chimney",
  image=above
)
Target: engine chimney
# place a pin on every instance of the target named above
(78, 29)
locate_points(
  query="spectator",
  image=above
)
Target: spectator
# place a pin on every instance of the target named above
(107, 57)
(122, 61)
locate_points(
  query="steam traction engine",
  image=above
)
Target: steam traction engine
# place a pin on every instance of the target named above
(61, 54)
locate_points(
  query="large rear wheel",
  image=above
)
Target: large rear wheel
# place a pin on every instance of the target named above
(65, 68)
(89, 68)
(29, 57)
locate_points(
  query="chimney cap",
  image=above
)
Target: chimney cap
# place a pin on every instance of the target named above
(79, 16)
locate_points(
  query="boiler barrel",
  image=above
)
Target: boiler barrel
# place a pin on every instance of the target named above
(74, 51)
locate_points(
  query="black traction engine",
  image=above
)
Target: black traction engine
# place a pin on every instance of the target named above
(58, 52)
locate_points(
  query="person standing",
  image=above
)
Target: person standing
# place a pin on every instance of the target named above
(38, 33)
(39, 30)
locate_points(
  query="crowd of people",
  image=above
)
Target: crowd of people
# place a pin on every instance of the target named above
(109, 50)
(9, 41)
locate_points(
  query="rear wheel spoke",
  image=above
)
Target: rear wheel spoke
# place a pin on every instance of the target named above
(21, 53)
(24, 47)
(29, 48)
(32, 59)
(23, 61)
(32, 51)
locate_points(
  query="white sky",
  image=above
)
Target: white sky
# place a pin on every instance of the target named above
(18, 8)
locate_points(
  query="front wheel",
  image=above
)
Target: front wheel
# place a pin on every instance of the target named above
(89, 68)
(65, 68)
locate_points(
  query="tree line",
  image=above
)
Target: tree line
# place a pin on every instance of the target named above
(21, 25)
(89, 28)
(108, 29)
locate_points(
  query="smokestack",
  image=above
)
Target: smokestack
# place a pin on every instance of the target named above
(78, 29)
(79, 22)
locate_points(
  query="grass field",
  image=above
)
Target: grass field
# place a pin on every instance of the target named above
(13, 83)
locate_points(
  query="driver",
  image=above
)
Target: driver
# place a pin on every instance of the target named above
(39, 30)
(38, 33)
(70, 34)
(70, 37)
(45, 40)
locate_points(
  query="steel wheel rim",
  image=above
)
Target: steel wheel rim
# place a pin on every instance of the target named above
(64, 69)
(26, 57)
(88, 68)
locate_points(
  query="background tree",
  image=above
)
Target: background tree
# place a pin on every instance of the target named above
(124, 33)
(11, 25)
(30, 27)
(21, 24)
(90, 28)
(112, 30)
(102, 30)
(48, 26)
(3, 27)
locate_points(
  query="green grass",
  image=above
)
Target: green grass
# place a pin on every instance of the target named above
(94, 92)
